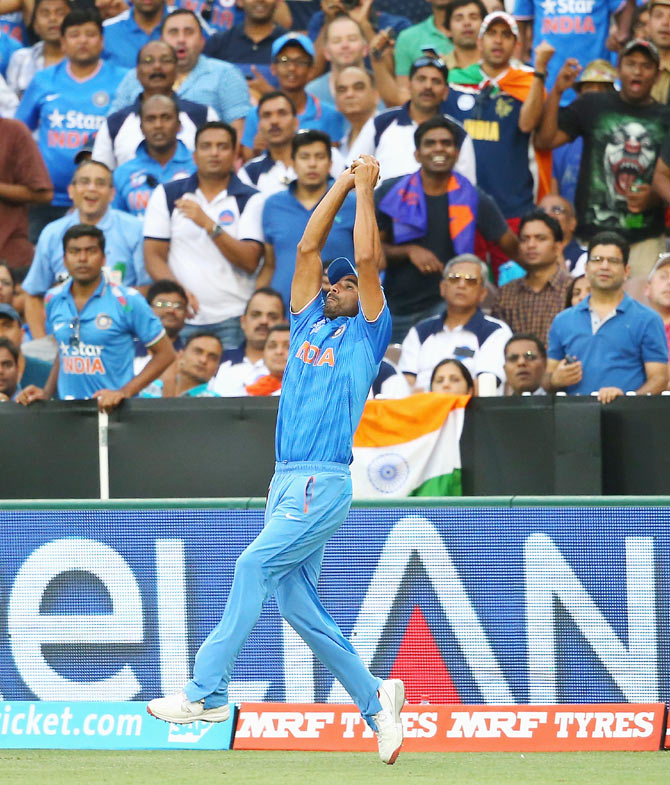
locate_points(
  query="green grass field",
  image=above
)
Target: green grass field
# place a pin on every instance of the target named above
(330, 768)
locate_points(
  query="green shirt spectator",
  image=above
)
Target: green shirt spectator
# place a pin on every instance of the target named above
(410, 43)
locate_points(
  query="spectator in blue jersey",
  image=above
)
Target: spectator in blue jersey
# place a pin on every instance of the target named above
(221, 15)
(608, 343)
(9, 370)
(128, 32)
(46, 20)
(160, 158)
(108, 9)
(66, 104)
(117, 140)
(244, 364)
(248, 44)
(199, 79)
(95, 324)
(32, 370)
(418, 239)
(335, 350)
(285, 214)
(192, 373)
(459, 330)
(390, 135)
(92, 193)
(277, 123)
(292, 57)
(574, 29)
(205, 231)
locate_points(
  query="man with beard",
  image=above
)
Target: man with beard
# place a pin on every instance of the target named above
(622, 133)
(191, 374)
(608, 343)
(117, 140)
(244, 365)
(160, 158)
(9, 370)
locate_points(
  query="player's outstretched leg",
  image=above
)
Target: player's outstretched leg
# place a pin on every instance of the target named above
(380, 702)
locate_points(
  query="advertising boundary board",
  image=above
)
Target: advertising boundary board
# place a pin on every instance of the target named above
(106, 603)
(434, 728)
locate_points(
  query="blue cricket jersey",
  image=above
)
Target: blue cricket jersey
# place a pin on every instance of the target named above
(124, 37)
(331, 366)
(96, 346)
(8, 46)
(136, 180)
(67, 112)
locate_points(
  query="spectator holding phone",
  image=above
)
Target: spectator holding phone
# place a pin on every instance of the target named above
(608, 343)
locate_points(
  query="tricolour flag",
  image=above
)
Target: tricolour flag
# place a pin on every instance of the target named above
(409, 447)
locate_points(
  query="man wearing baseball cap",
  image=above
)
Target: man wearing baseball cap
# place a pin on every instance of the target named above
(623, 133)
(31, 369)
(292, 59)
(659, 35)
(500, 106)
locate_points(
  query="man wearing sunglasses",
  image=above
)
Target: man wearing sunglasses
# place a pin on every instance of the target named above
(95, 324)
(461, 330)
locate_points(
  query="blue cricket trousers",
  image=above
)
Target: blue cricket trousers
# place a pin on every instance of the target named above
(307, 504)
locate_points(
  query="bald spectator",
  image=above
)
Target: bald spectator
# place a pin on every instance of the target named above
(199, 79)
(24, 180)
(529, 304)
(118, 138)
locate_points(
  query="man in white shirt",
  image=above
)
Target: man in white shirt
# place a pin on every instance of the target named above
(463, 332)
(205, 231)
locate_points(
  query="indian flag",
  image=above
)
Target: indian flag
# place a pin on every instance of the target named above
(409, 447)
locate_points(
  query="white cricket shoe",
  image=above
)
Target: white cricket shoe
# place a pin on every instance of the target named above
(389, 727)
(180, 710)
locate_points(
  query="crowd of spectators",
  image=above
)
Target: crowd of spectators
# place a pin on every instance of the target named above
(159, 164)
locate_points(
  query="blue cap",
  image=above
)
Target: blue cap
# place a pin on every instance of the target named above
(11, 313)
(293, 38)
(340, 267)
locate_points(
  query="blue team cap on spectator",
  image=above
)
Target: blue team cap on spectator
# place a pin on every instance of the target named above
(11, 313)
(340, 267)
(293, 38)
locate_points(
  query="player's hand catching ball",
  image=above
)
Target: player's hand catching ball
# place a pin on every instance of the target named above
(366, 171)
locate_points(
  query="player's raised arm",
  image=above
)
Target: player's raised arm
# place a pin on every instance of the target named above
(367, 244)
(308, 265)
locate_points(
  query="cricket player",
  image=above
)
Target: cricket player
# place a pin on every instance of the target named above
(336, 346)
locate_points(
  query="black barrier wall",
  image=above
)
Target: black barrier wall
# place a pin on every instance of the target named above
(224, 447)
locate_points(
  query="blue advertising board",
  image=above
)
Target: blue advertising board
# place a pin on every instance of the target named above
(477, 604)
